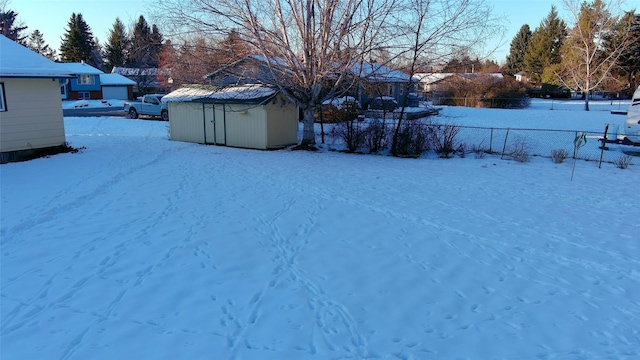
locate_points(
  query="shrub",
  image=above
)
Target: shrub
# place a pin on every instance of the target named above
(412, 140)
(351, 132)
(346, 110)
(559, 155)
(375, 136)
(442, 138)
(520, 151)
(623, 162)
(479, 151)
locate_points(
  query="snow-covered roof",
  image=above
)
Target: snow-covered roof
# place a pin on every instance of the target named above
(115, 79)
(127, 71)
(378, 72)
(18, 61)
(219, 94)
(80, 68)
(430, 78)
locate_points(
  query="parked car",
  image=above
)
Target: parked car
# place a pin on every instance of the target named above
(150, 105)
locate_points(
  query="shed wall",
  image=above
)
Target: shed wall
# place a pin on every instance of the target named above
(282, 123)
(186, 122)
(34, 117)
(246, 126)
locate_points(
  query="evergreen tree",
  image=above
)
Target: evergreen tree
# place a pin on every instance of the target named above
(544, 49)
(156, 40)
(9, 28)
(115, 50)
(142, 52)
(37, 44)
(519, 44)
(77, 44)
(628, 69)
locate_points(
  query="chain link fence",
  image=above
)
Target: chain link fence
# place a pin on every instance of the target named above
(505, 142)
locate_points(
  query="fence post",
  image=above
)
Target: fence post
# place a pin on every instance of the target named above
(491, 142)
(604, 145)
(504, 147)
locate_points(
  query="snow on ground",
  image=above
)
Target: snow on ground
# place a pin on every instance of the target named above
(79, 104)
(138, 247)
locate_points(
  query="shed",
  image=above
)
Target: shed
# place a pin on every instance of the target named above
(246, 116)
(31, 120)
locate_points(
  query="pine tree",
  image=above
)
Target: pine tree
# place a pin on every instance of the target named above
(37, 44)
(115, 50)
(8, 27)
(77, 44)
(628, 69)
(519, 44)
(140, 51)
(545, 45)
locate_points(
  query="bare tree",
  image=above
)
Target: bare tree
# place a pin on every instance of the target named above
(310, 46)
(432, 30)
(585, 64)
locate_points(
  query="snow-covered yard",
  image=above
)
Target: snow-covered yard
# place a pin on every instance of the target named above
(143, 248)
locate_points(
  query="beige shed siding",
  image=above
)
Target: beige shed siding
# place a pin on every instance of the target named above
(246, 126)
(185, 122)
(34, 114)
(282, 123)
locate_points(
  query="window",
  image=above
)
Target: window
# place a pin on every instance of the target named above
(84, 95)
(3, 103)
(86, 79)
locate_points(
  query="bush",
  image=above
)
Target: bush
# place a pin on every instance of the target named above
(351, 132)
(412, 140)
(520, 151)
(336, 112)
(375, 136)
(623, 162)
(442, 138)
(559, 155)
(483, 90)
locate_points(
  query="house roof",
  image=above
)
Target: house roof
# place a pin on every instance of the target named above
(430, 78)
(18, 61)
(243, 94)
(379, 73)
(128, 71)
(115, 79)
(80, 68)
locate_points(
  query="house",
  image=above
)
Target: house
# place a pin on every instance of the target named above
(31, 121)
(378, 81)
(430, 82)
(147, 80)
(85, 85)
(246, 116)
(521, 76)
(116, 86)
(252, 69)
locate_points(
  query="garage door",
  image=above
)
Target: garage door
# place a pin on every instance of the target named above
(114, 92)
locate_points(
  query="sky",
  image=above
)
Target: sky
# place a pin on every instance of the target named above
(101, 14)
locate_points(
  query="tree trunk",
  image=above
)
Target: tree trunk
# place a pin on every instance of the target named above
(308, 132)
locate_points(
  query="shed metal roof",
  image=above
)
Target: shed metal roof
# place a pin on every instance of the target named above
(236, 94)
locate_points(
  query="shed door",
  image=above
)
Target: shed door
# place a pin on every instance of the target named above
(215, 124)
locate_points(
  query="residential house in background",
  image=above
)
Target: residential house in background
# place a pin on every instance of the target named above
(31, 120)
(147, 80)
(116, 86)
(376, 81)
(84, 86)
